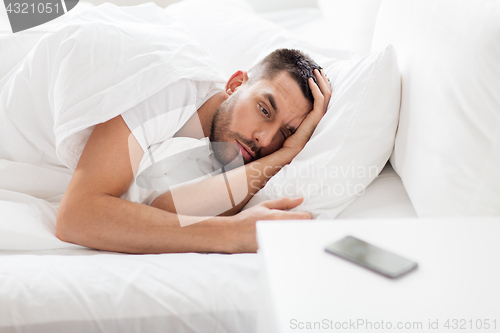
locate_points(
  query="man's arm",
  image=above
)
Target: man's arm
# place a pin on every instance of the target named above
(210, 195)
(92, 214)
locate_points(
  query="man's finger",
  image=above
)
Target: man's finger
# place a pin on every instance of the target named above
(329, 88)
(326, 79)
(323, 83)
(317, 95)
(318, 111)
(293, 216)
(283, 203)
(328, 92)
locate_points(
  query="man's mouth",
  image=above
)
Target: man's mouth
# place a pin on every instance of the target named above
(246, 153)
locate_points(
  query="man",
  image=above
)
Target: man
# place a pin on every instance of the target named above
(269, 113)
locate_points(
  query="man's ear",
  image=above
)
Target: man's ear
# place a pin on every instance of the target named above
(235, 81)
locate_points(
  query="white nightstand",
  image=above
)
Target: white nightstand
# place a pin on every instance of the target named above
(456, 287)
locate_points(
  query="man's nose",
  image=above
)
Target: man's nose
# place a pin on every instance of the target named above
(265, 135)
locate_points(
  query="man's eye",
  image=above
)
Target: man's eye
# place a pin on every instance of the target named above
(264, 111)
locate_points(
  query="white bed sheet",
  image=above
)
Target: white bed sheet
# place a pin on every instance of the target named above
(385, 197)
(84, 290)
(94, 291)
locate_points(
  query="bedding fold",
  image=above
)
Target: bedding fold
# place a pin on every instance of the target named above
(86, 70)
(61, 79)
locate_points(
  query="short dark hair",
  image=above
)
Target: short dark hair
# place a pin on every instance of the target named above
(298, 64)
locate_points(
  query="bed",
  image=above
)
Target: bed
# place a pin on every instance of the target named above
(85, 290)
(66, 288)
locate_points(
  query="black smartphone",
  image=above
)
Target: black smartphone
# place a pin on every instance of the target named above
(371, 257)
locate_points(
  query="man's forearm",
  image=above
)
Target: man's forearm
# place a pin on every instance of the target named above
(212, 196)
(108, 223)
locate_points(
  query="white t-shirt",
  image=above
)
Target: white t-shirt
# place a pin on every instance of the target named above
(159, 117)
(154, 122)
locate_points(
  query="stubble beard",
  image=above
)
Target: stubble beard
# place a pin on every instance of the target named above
(220, 133)
(222, 138)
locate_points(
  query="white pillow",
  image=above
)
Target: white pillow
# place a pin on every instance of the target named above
(351, 144)
(275, 5)
(306, 24)
(355, 138)
(447, 149)
(351, 23)
(234, 34)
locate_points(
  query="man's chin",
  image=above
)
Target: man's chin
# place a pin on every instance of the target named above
(230, 164)
(229, 157)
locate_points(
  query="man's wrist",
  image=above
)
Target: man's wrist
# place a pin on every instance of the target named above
(234, 235)
(286, 155)
(242, 238)
(227, 239)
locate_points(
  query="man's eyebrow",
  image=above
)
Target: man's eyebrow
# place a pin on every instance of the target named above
(271, 99)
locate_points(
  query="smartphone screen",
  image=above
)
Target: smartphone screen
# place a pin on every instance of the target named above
(371, 257)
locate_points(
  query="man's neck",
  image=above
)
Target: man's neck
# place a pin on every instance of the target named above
(203, 115)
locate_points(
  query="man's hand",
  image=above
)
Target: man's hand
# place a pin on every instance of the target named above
(322, 93)
(245, 221)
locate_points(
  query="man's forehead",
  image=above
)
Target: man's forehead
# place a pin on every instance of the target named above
(285, 95)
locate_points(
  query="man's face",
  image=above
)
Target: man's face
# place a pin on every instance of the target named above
(257, 118)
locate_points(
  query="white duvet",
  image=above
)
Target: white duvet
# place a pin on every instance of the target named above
(61, 79)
